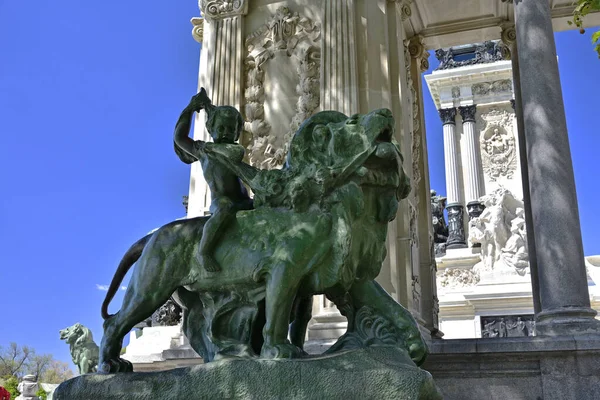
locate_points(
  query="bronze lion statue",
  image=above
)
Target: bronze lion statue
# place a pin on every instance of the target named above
(84, 351)
(319, 227)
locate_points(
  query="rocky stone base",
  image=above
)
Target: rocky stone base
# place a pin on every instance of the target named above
(371, 373)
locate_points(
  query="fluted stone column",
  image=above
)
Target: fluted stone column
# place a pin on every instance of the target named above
(456, 230)
(221, 74)
(564, 296)
(473, 184)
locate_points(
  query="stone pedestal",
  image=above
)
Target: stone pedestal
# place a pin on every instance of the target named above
(527, 368)
(371, 373)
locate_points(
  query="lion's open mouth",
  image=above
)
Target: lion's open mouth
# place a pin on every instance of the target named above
(385, 135)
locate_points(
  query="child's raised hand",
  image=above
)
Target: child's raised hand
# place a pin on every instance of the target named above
(199, 101)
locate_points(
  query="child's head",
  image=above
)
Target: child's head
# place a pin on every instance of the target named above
(225, 124)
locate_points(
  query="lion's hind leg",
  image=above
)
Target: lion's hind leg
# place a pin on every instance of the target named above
(150, 287)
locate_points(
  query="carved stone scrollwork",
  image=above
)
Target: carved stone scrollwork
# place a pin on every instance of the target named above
(198, 29)
(218, 9)
(405, 9)
(416, 48)
(498, 148)
(280, 35)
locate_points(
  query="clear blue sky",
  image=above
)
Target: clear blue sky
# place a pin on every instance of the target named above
(89, 95)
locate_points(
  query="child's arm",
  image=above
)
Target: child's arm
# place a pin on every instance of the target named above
(184, 145)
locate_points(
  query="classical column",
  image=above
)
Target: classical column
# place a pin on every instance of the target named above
(222, 36)
(564, 296)
(456, 230)
(473, 184)
(339, 79)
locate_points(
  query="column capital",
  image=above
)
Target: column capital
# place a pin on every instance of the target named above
(417, 50)
(468, 113)
(198, 29)
(219, 9)
(448, 115)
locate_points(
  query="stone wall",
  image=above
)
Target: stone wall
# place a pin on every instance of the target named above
(527, 368)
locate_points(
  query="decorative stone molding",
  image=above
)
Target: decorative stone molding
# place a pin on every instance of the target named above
(405, 10)
(468, 113)
(280, 35)
(448, 115)
(509, 35)
(457, 278)
(219, 9)
(414, 234)
(482, 53)
(417, 50)
(498, 147)
(485, 88)
(198, 29)
(415, 133)
(416, 293)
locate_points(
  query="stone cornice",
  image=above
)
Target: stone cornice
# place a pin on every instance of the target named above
(448, 115)
(219, 9)
(468, 113)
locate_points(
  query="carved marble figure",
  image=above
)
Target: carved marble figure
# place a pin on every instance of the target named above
(84, 351)
(500, 229)
(339, 187)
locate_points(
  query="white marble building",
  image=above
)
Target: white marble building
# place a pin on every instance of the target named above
(474, 93)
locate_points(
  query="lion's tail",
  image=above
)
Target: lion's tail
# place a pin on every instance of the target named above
(132, 255)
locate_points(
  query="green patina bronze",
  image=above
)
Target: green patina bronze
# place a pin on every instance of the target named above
(318, 226)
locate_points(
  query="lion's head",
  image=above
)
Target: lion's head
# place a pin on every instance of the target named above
(330, 150)
(76, 333)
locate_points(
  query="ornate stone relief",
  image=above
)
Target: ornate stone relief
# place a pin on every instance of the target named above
(501, 231)
(217, 9)
(414, 235)
(281, 35)
(415, 49)
(498, 148)
(507, 326)
(485, 88)
(457, 278)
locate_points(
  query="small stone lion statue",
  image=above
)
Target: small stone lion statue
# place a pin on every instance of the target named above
(84, 350)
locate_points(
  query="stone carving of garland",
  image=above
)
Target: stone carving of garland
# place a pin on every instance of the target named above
(282, 34)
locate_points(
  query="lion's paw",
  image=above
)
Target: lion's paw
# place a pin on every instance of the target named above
(285, 350)
(114, 366)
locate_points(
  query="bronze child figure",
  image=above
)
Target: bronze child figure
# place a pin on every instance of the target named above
(228, 194)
